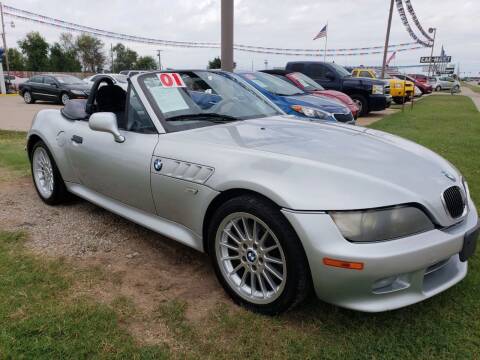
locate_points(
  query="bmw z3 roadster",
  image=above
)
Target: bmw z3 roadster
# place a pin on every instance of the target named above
(282, 205)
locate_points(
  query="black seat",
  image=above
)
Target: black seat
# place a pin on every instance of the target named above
(112, 98)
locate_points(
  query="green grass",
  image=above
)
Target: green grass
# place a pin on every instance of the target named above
(37, 319)
(12, 154)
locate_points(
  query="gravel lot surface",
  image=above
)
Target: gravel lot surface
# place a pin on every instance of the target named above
(146, 267)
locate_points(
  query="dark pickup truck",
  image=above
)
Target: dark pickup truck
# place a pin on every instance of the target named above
(368, 94)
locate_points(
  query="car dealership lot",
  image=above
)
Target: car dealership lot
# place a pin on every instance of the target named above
(193, 316)
(16, 115)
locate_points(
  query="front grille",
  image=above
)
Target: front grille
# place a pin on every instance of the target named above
(454, 201)
(344, 117)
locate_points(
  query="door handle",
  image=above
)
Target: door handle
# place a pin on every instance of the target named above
(77, 139)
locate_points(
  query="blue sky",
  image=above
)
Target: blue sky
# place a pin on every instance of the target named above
(273, 23)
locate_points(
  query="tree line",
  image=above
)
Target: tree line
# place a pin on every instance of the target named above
(74, 54)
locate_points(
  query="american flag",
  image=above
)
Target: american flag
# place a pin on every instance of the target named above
(322, 33)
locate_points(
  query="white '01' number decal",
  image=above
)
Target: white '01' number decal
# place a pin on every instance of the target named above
(171, 80)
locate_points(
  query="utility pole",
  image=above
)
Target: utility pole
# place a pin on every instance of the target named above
(434, 31)
(4, 37)
(159, 59)
(227, 35)
(387, 39)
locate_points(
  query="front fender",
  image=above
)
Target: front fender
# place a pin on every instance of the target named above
(53, 129)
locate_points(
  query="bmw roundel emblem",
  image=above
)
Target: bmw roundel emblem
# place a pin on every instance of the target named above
(157, 164)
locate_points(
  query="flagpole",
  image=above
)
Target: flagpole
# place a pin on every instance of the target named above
(326, 41)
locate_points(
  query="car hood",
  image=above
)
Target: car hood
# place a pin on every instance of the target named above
(335, 95)
(318, 166)
(81, 87)
(327, 105)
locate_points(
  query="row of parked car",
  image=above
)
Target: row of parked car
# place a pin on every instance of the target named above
(315, 90)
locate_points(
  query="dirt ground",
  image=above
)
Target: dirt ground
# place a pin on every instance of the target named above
(139, 264)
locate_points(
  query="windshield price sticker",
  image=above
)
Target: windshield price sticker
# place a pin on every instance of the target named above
(171, 80)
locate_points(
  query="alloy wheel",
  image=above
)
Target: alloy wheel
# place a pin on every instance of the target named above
(27, 97)
(65, 98)
(43, 172)
(251, 258)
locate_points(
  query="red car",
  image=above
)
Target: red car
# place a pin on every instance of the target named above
(309, 85)
(420, 81)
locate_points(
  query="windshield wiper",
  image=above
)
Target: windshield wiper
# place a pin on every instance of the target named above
(213, 117)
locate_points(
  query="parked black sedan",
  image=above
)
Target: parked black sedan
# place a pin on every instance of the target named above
(55, 88)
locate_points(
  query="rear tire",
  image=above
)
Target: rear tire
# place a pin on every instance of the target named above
(27, 97)
(249, 240)
(362, 104)
(399, 100)
(46, 177)
(64, 98)
(438, 88)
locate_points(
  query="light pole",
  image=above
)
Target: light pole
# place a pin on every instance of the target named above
(387, 38)
(159, 59)
(4, 37)
(434, 31)
(227, 35)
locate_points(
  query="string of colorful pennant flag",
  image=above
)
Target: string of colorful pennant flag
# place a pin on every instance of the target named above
(408, 3)
(403, 17)
(49, 21)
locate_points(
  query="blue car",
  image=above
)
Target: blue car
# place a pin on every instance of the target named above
(296, 102)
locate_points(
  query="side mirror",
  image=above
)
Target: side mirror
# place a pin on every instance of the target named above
(106, 122)
(330, 76)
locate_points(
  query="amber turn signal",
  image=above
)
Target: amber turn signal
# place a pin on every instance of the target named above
(343, 264)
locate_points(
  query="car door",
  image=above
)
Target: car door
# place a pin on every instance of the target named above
(120, 171)
(36, 87)
(51, 88)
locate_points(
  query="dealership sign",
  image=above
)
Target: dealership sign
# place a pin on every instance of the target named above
(435, 59)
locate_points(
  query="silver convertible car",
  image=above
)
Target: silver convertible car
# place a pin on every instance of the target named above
(283, 206)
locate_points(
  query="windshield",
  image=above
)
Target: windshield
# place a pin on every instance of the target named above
(191, 99)
(340, 70)
(120, 78)
(307, 83)
(273, 84)
(68, 79)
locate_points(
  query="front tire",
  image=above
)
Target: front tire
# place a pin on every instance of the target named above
(362, 104)
(46, 176)
(257, 256)
(438, 88)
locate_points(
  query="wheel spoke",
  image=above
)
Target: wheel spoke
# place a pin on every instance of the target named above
(273, 260)
(229, 246)
(244, 277)
(245, 227)
(252, 285)
(262, 286)
(242, 235)
(234, 271)
(231, 236)
(274, 272)
(273, 247)
(263, 238)
(228, 258)
(254, 232)
(269, 281)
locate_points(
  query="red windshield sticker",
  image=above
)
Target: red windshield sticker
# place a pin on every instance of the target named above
(171, 80)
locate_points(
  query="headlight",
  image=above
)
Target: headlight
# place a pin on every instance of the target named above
(467, 190)
(377, 89)
(78, 92)
(311, 112)
(381, 224)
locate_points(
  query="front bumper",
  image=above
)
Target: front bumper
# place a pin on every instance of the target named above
(378, 102)
(396, 273)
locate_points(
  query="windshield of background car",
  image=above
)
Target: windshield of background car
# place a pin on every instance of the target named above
(120, 78)
(340, 70)
(273, 84)
(306, 82)
(68, 79)
(202, 98)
